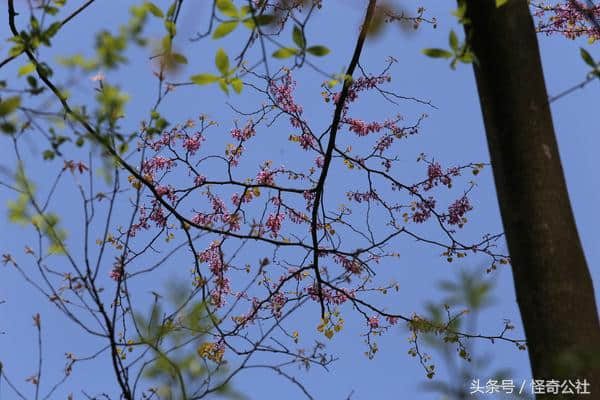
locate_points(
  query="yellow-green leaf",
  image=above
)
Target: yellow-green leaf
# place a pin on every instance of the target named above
(237, 85)
(298, 37)
(222, 61)
(318, 51)
(285, 52)
(203, 79)
(228, 8)
(154, 10)
(500, 3)
(260, 20)
(179, 58)
(9, 105)
(224, 29)
(437, 53)
(26, 69)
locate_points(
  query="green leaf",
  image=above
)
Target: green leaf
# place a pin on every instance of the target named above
(437, 53)
(224, 29)
(466, 58)
(26, 69)
(589, 60)
(204, 79)
(223, 85)
(9, 105)
(228, 8)
(285, 52)
(318, 51)
(237, 85)
(170, 25)
(53, 29)
(453, 40)
(500, 3)
(16, 50)
(298, 37)
(8, 128)
(154, 10)
(179, 58)
(171, 10)
(264, 19)
(222, 61)
(48, 155)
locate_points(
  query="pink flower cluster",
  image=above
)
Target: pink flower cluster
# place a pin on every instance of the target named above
(567, 19)
(213, 257)
(274, 223)
(192, 144)
(307, 141)
(244, 134)
(116, 273)
(284, 98)
(162, 190)
(352, 266)
(423, 210)
(435, 176)
(457, 210)
(373, 322)
(265, 177)
(157, 163)
(329, 295)
(277, 302)
(360, 197)
(72, 166)
(165, 140)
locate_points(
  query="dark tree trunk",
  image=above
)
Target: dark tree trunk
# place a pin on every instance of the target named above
(552, 281)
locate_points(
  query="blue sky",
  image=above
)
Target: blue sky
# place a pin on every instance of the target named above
(452, 133)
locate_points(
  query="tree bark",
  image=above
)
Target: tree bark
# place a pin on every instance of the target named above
(552, 281)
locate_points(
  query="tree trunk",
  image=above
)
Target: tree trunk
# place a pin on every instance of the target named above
(552, 281)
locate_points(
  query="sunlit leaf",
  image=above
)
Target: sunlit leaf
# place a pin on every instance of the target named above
(285, 52)
(224, 29)
(203, 79)
(228, 8)
(318, 51)
(222, 61)
(437, 53)
(298, 37)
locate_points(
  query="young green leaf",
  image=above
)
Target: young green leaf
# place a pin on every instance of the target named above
(318, 51)
(179, 58)
(500, 3)
(228, 8)
(437, 53)
(224, 29)
(170, 25)
(260, 20)
(298, 37)
(587, 57)
(453, 40)
(203, 79)
(154, 10)
(9, 105)
(26, 69)
(223, 85)
(171, 10)
(285, 52)
(222, 61)
(237, 85)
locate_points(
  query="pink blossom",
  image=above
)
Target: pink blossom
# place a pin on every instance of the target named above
(192, 144)
(274, 223)
(374, 322)
(423, 210)
(244, 134)
(265, 177)
(457, 210)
